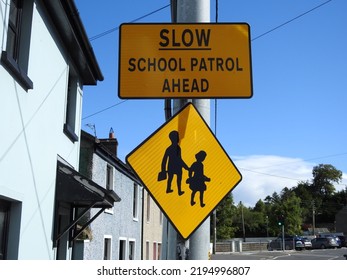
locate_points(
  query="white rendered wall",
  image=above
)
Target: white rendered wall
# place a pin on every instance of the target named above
(32, 137)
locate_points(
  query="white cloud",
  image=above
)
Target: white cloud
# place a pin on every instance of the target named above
(262, 175)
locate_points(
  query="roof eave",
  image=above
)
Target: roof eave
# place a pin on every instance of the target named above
(66, 19)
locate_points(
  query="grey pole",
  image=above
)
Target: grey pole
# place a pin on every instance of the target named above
(283, 241)
(243, 223)
(196, 11)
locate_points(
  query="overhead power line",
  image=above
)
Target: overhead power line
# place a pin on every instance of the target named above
(291, 20)
(105, 109)
(271, 175)
(253, 39)
(283, 177)
(157, 10)
(296, 161)
(166, 6)
(253, 170)
(135, 20)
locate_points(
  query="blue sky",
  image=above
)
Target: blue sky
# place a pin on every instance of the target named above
(296, 118)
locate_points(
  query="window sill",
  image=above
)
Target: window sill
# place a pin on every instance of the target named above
(70, 133)
(20, 76)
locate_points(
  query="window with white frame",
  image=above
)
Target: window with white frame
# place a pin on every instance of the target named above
(132, 249)
(107, 247)
(136, 202)
(154, 250)
(109, 183)
(147, 250)
(109, 177)
(159, 251)
(122, 249)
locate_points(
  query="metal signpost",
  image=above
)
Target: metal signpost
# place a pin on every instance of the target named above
(190, 60)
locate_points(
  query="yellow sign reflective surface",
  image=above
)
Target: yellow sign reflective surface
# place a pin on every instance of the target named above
(185, 169)
(197, 60)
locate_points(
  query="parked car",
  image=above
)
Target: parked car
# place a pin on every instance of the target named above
(324, 242)
(343, 240)
(290, 243)
(307, 243)
(337, 239)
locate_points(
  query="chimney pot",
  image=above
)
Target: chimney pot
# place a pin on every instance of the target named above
(111, 134)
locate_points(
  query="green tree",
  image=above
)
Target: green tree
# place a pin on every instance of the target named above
(287, 204)
(261, 215)
(253, 220)
(324, 175)
(302, 190)
(225, 212)
(295, 204)
(323, 191)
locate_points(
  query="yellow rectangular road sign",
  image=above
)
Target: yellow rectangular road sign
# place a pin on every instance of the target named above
(195, 60)
(185, 169)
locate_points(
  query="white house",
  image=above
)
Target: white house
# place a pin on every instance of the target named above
(46, 59)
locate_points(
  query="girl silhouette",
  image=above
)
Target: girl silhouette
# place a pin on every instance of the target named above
(197, 178)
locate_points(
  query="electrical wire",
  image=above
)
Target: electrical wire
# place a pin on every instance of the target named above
(271, 175)
(217, 11)
(103, 110)
(290, 178)
(135, 20)
(257, 37)
(308, 159)
(291, 20)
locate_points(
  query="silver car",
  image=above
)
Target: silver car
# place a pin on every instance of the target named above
(324, 242)
(307, 242)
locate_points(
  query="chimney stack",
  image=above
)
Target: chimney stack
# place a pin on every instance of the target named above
(111, 143)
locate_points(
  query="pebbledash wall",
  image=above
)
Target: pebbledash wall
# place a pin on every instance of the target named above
(117, 232)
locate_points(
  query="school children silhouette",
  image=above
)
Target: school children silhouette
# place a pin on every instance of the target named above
(173, 163)
(197, 178)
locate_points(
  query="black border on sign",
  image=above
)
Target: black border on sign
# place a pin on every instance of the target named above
(143, 184)
(188, 24)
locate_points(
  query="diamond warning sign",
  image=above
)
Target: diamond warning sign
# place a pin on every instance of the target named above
(185, 169)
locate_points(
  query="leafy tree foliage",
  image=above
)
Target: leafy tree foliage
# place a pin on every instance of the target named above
(297, 205)
(225, 212)
(324, 175)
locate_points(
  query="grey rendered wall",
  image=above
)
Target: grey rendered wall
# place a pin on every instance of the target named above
(117, 223)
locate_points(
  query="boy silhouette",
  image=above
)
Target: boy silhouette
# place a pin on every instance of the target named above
(173, 163)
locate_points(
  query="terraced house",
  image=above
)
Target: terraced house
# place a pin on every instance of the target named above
(116, 234)
(46, 60)
(64, 194)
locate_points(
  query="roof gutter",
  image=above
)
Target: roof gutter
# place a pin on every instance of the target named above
(67, 22)
(81, 34)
